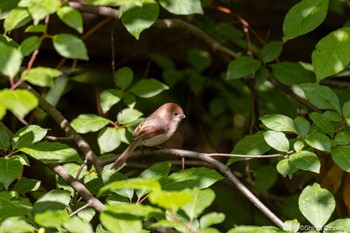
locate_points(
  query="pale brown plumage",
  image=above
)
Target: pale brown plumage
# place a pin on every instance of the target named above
(154, 130)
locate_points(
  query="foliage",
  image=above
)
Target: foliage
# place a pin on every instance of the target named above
(296, 113)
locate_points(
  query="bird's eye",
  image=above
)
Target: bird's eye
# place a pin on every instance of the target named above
(176, 113)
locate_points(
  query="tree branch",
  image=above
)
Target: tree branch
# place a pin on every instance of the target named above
(225, 170)
(68, 129)
(77, 186)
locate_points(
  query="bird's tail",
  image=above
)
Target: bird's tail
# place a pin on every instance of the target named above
(125, 155)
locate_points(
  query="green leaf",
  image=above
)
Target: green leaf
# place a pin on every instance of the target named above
(182, 7)
(27, 136)
(13, 206)
(39, 9)
(129, 100)
(10, 60)
(6, 6)
(201, 199)
(291, 225)
(42, 76)
(10, 169)
(325, 125)
(18, 17)
(346, 109)
(306, 161)
(277, 140)
(241, 67)
(319, 141)
(4, 139)
(285, 167)
(255, 229)
(147, 88)
(170, 200)
(155, 172)
(70, 46)
(85, 123)
(252, 145)
(128, 115)
(134, 183)
(109, 98)
(338, 226)
(77, 225)
(123, 77)
(278, 122)
(132, 209)
(71, 17)
(25, 185)
(19, 102)
(316, 204)
(340, 156)
(331, 53)
(291, 73)
(137, 18)
(265, 177)
(342, 138)
(270, 52)
(322, 97)
(199, 59)
(194, 177)
(29, 45)
(40, 28)
(304, 17)
(122, 224)
(210, 219)
(108, 139)
(52, 200)
(15, 224)
(2, 111)
(51, 218)
(52, 152)
(302, 126)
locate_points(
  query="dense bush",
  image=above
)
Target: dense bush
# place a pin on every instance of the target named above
(70, 99)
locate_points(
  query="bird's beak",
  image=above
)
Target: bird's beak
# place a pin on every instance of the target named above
(183, 116)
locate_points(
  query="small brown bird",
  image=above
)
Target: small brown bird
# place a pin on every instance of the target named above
(154, 130)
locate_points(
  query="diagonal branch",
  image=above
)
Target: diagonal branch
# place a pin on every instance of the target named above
(68, 129)
(77, 186)
(225, 170)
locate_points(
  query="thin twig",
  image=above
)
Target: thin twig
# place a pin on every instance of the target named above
(87, 205)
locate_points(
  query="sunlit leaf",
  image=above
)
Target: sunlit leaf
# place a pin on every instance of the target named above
(18, 17)
(277, 140)
(71, 17)
(19, 102)
(70, 46)
(42, 76)
(137, 18)
(304, 17)
(39, 9)
(147, 88)
(85, 123)
(331, 53)
(316, 204)
(52, 152)
(182, 7)
(10, 60)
